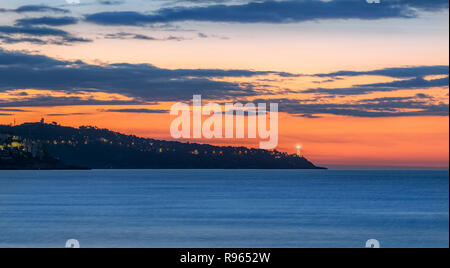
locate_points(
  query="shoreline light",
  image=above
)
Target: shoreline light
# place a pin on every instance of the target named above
(299, 150)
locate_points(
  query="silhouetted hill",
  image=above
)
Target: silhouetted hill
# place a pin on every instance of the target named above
(103, 149)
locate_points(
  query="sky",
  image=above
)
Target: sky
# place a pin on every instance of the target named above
(358, 85)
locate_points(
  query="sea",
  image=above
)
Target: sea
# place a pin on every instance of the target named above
(224, 208)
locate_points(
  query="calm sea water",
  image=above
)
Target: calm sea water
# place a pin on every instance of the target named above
(217, 208)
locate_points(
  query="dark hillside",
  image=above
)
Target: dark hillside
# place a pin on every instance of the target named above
(103, 149)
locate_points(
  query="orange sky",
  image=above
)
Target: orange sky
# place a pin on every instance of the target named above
(331, 140)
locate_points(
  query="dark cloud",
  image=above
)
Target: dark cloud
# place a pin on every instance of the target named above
(35, 8)
(111, 2)
(51, 101)
(423, 96)
(37, 35)
(12, 110)
(273, 12)
(5, 39)
(69, 114)
(399, 72)
(392, 99)
(413, 77)
(26, 30)
(128, 36)
(414, 83)
(36, 31)
(48, 21)
(379, 107)
(175, 38)
(137, 111)
(22, 71)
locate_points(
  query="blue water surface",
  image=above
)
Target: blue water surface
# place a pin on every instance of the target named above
(224, 208)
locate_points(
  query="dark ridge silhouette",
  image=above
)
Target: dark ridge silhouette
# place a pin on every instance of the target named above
(47, 146)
